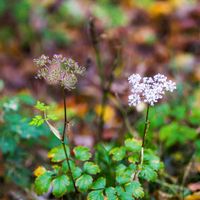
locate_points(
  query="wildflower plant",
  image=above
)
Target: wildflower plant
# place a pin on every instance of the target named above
(59, 70)
(114, 172)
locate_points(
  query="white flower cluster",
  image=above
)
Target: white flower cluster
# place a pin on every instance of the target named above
(148, 89)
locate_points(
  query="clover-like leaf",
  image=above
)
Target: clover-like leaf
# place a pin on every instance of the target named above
(84, 182)
(82, 153)
(111, 193)
(118, 153)
(60, 184)
(133, 145)
(135, 189)
(42, 183)
(100, 183)
(96, 195)
(148, 173)
(123, 195)
(57, 154)
(91, 168)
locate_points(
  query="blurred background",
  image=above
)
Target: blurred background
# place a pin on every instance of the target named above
(132, 36)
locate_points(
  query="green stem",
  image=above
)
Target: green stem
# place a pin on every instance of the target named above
(146, 127)
(63, 138)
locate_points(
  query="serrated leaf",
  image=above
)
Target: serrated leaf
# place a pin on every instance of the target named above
(152, 160)
(96, 195)
(41, 106)
(60, 185)
(111, 193)
(133, 145)
(122, 194)
(37, 121)
(100, 183)
(91, 168)
(148, 173)
(42, 183)
(135, 189)
(82, 153)
(84, 182)
(118, 153)
(57, 154)
(123, 174)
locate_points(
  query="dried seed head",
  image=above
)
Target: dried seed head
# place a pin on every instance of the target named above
(148, 89)
(59, 70)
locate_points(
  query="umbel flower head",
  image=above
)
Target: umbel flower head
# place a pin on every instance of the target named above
(58, 70)
(148, 89)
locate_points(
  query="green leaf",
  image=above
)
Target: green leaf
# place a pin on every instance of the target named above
(41, 106)
(100, 183)
(177, 133)
(8, 142)
(135, 189)
(52, 117)
(37, 121)
(123, 174)
(60, 185)
(122, 194)
(118, 153)
(91, 168)
(133, 145)
(42, 183)
(82, 153)
(95, 195)
(152, 160)
(65, 167)
(76, 172)
(84, 182)
(111, 193)
(148, 173)
(57, 154)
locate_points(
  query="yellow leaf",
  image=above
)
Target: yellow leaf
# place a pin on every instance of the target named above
(194, 196)
(160, 8)
(109, 112)
(39, 171)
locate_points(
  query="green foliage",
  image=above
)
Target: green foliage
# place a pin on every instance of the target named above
(96, 195)
(60, 185)
(91, 168)
(133, 145)
(118, 153)
(42, 183)
(57, 154)
(82, 153)
(84, 182)
(100, 183)
(176, 133)
(37, 121)
(110, 14)
(41, 106)
(111, 193)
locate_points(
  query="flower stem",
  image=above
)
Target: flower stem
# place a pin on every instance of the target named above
(146, 127)
(63, 139)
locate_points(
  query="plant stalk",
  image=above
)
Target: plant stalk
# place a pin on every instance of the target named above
(146, 127)
(63, 139)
